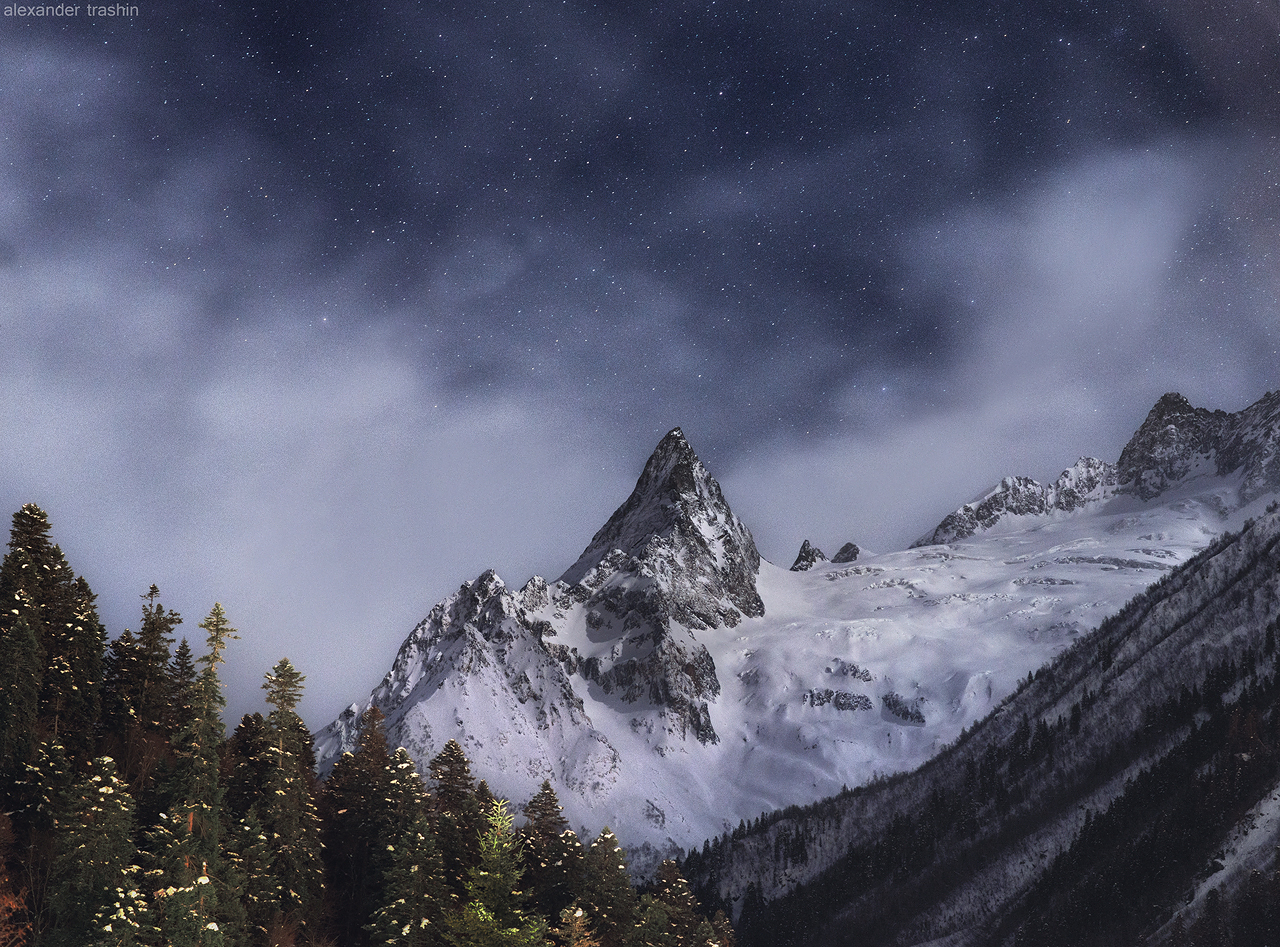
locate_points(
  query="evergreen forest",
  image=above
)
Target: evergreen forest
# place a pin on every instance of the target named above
(128, 816)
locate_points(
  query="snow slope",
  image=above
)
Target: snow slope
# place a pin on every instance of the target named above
(671, 683)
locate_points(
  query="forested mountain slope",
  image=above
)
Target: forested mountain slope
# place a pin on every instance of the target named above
(1125, 792)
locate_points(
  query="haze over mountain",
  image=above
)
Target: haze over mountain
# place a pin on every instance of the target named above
(671, 682)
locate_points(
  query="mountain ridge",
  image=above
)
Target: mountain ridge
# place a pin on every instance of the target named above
(1175, 441)
(672, 682)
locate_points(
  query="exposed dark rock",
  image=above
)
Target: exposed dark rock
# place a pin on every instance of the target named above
(809, 557)
(848, 553)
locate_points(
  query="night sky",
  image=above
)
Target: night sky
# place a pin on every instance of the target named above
(319, 309)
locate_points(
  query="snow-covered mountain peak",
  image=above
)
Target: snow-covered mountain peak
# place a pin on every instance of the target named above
(677, 529)
(1088, 480)
(1175, 438)
(675, 494)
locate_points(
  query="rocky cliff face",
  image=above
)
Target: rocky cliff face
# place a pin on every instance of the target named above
(672, 560)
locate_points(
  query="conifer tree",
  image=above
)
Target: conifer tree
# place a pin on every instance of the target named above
(288, 815)
(553, 856)
(183, 676)
(138, 701)
(246, 764)
(575, 929)
(494, 914)
(155, 686)
(37, 806)
(608, 897)
(94, 855)
(671, 917)
(21, 670)
(248, 857)
(15, 921)
(38, 587)
(414, 895)
(186, 845)
(355, 809)
(457, 813)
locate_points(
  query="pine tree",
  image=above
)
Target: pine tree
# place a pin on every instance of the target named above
(608, 897)
(494, 915)
(553, 856)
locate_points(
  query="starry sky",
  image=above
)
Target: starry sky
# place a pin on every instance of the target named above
(320, 309)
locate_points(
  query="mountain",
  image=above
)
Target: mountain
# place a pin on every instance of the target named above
(1176, 443)
(1128, 792)
(673, 685)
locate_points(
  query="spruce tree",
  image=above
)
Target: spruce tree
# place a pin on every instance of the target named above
(138, 706)
(186, 845)
(246, 765)
(670, 913)
(355, 809)
(575, 929)
(93, 855)
(15, 921)
(249, 860)
(39, 588)
(553, 856)
(414, 898)
(288, 815)
(459, 822)
(21, 670)
(608, 897)
(494, 913)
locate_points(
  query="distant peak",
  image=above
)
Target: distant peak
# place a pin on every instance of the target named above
(809, 557)
(1172, 403)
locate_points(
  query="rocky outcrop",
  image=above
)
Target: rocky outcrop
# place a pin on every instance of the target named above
(677, 526)
(848, 553)
(809, 557)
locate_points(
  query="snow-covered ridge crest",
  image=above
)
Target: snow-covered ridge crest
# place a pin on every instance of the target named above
(476, 669)
(1087, 481)
(1177, 442)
